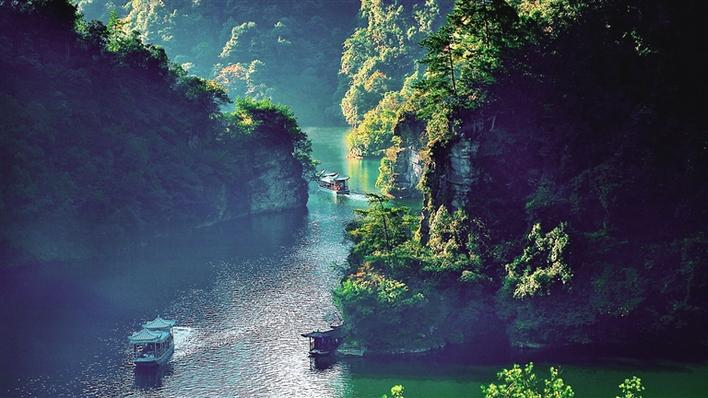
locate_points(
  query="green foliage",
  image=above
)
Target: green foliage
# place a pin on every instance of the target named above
(464, 56)
(374, 304)
(538, 113)
(275, 124)
(104, 137)
(453, 246)
(385, 180)
(522, 382)
(380, 227)
(375, 133)
(540, 265)
(396, 392)
(377, 60)
(280, 50)
(631, 388)
(389, 287)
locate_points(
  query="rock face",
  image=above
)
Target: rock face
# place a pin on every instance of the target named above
(407, 170)
(278, 183)
(404, 162)
(273, 182)
(460, 173)
(454, 172)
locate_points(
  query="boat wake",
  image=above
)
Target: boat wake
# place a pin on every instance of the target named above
(357, 196)
(183, 341)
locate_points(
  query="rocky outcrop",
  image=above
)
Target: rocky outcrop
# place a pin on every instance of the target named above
(403, 163)
(407, 170)
(457, 163)
(273, 181)
(108, 161)
(278, 183)
(454, 172)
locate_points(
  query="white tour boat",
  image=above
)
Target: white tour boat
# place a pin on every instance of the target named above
(154, 344)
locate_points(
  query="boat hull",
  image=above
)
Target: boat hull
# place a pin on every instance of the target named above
(330, 188)
(321, 353)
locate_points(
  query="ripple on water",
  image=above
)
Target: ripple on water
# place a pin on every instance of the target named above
(240, 336)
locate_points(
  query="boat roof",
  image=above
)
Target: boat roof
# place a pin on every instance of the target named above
(148, 336)
(328, 178)
(318, 334)
(159, 323)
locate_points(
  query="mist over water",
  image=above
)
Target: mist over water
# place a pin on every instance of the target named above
(241, 292)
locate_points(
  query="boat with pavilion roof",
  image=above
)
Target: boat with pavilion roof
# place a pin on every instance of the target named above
(333, 182)
(154, 344)
(324, 343)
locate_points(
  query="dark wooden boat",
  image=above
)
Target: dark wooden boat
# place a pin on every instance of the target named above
(324, 343)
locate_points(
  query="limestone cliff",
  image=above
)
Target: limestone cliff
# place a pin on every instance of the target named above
(272, 180)
(402, 167)
(278, 183)
(103, 145)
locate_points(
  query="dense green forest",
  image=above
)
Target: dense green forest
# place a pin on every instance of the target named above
(380, 61)
(103, 137)
(565, 165)
(282, 50)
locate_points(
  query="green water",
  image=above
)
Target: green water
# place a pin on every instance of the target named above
(421, 379)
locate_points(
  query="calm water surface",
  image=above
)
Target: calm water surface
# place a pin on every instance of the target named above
(241, 292)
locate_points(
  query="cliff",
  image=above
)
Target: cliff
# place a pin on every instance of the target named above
(104, 139)
(272, 181)
(564, 185)
(402, 165)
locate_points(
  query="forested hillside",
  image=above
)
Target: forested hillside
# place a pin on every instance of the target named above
(287, 51)
(565, 155)
(380, 62)
(103, 137)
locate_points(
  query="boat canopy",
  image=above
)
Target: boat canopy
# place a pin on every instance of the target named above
(334, 178)
(159, 324)
(319, 335)
(147, 336)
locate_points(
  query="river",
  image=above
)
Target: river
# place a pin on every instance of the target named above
(241, 292)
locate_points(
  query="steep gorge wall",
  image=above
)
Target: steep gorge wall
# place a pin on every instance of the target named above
(514, 173)
(271, 180)
(101, 146)
(278, 183)
(403, 163)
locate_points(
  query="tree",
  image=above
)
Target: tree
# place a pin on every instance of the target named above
(522, 382)
(631, 388)
(396, 392)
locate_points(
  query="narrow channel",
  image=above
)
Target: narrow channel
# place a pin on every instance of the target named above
(241, 292)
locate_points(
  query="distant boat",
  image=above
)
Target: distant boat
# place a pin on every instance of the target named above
(154, 344)
(333, 182)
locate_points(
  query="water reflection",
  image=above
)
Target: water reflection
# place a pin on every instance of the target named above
(147, 379)
(319, 363)
(329, 148)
